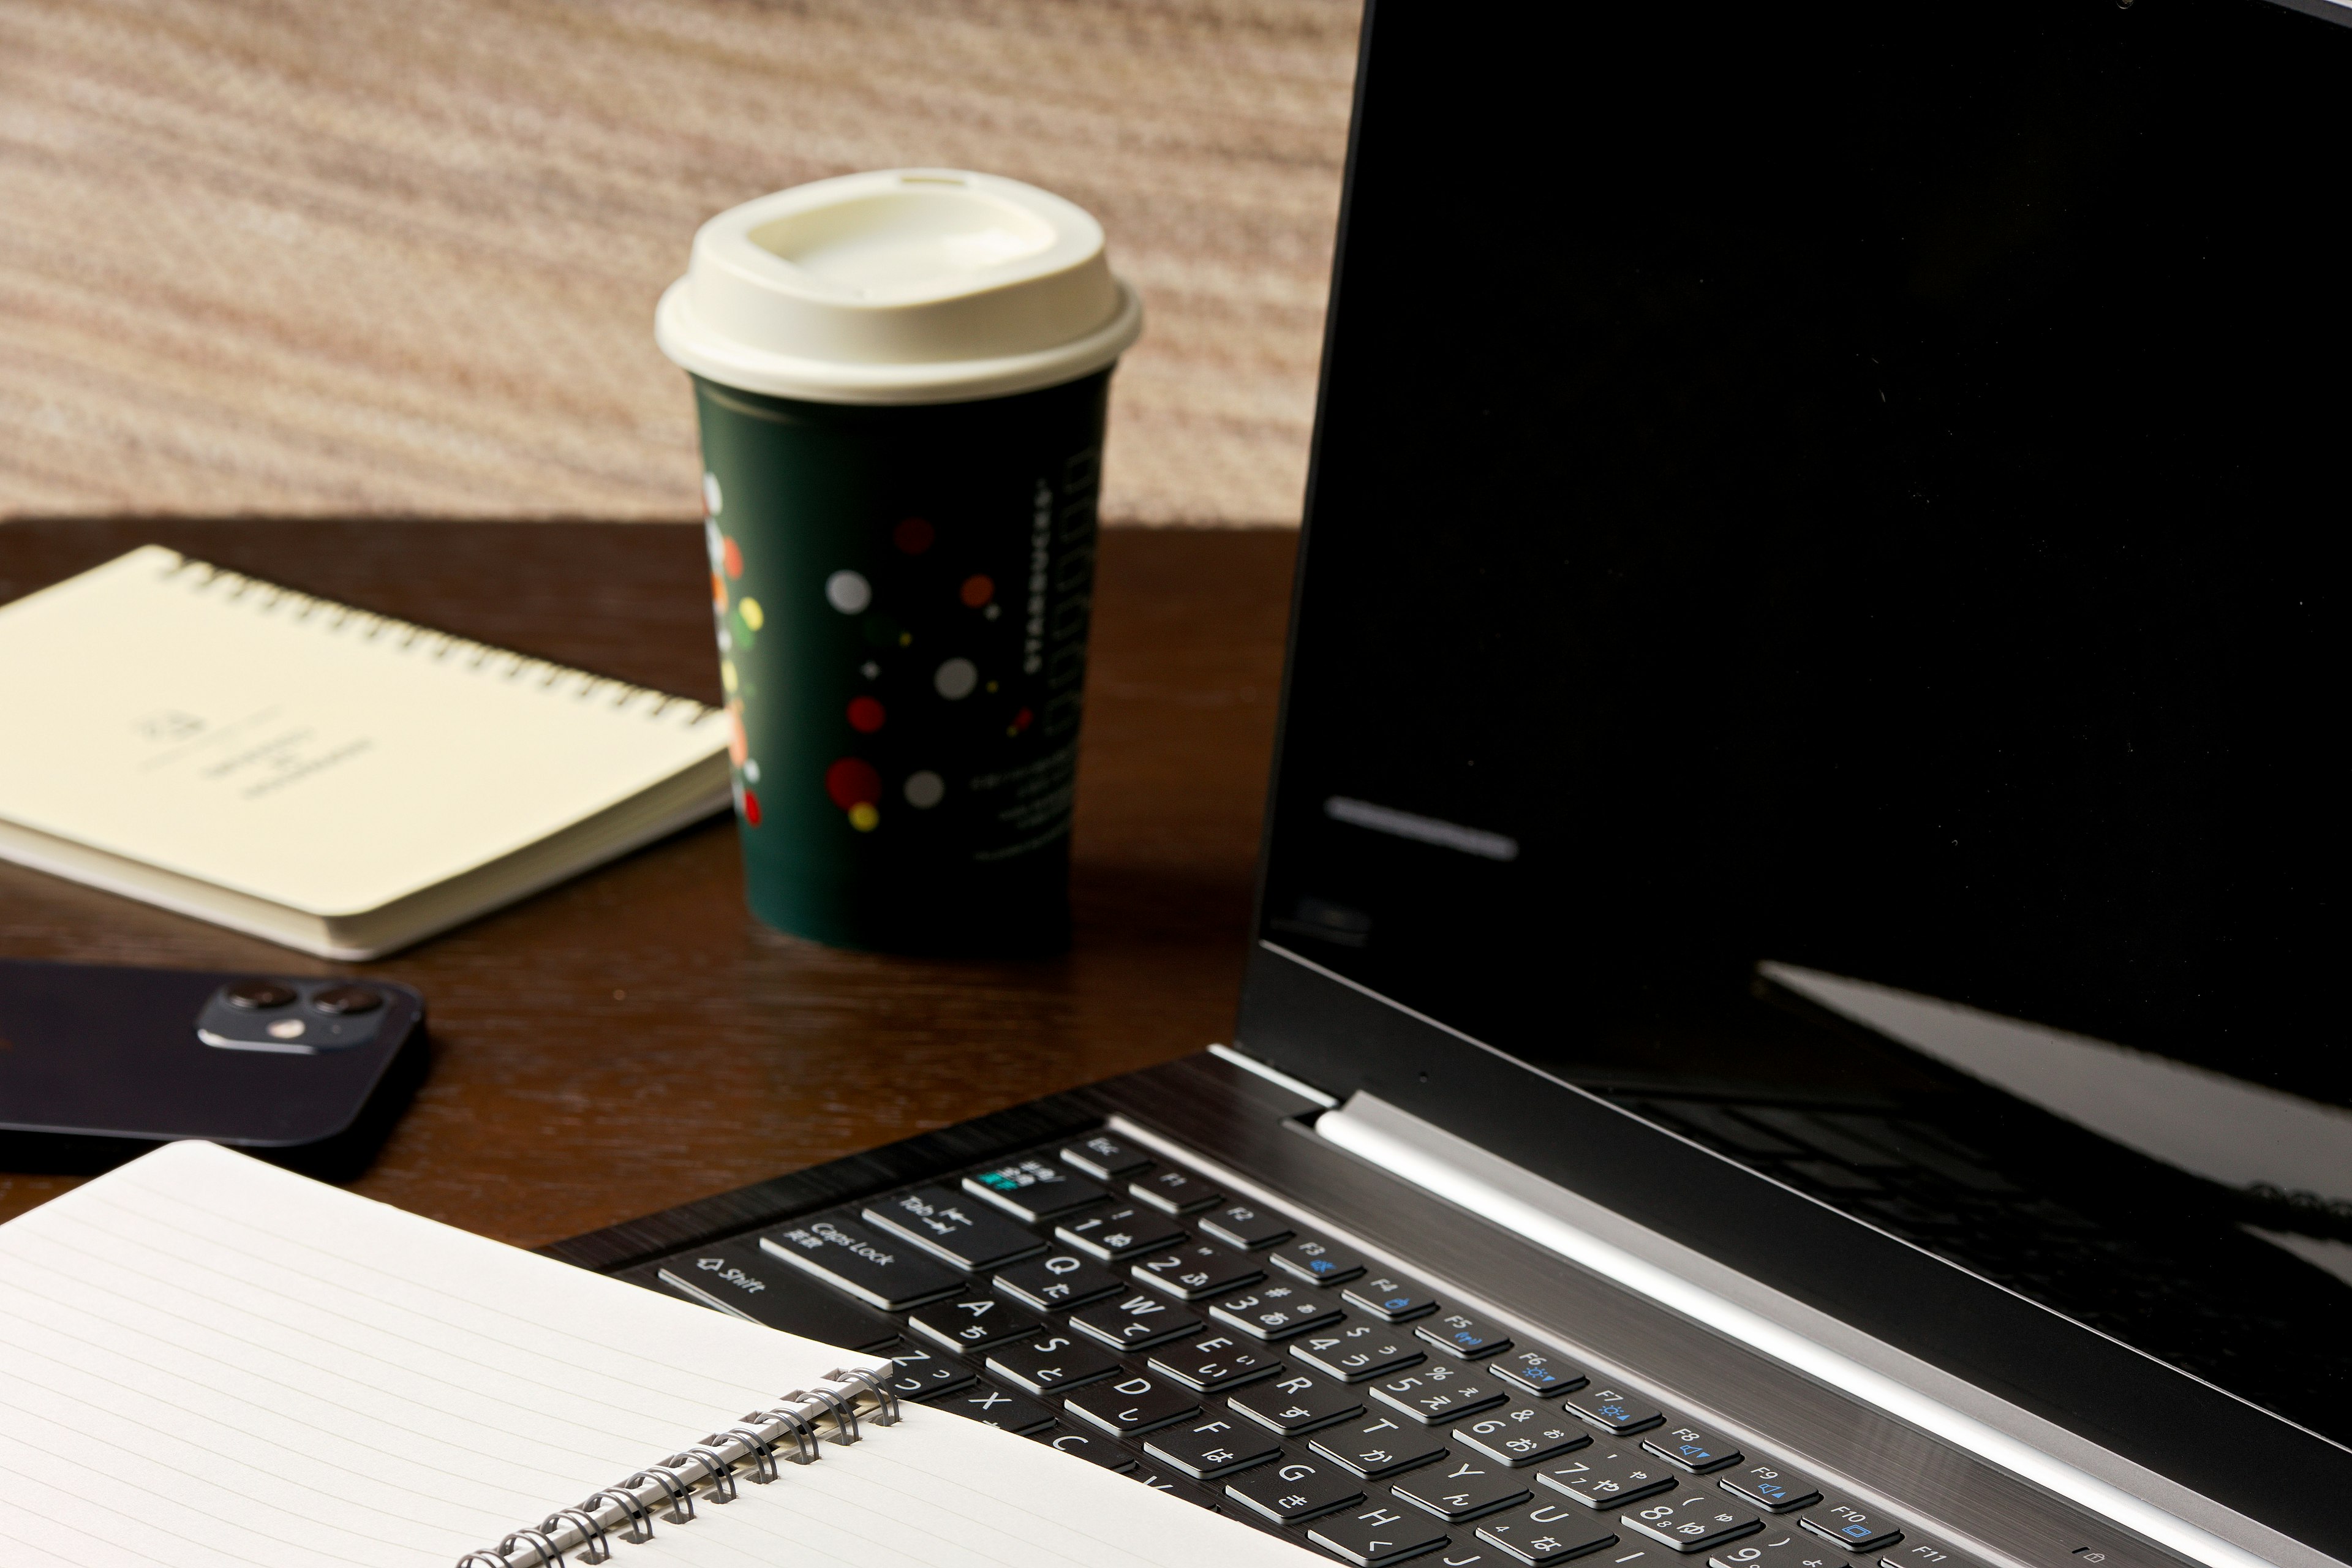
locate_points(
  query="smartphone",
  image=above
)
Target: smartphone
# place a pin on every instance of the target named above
(99, 1063)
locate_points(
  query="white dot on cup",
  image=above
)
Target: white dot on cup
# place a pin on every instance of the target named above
(925, 790)
(712, 502)
(955, 679)
(848, 592)
(752, 770)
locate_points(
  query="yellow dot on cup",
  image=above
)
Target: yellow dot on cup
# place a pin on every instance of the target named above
(726, 673)
(753, 616)
(863, 817)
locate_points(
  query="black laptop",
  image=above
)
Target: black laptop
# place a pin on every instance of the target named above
(1793, 1020)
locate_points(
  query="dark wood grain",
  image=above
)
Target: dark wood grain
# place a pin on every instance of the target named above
(634, 1039)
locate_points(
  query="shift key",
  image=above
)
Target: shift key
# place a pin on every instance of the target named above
(887, 1272)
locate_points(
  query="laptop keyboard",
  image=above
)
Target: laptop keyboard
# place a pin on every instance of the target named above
(1096, 1297)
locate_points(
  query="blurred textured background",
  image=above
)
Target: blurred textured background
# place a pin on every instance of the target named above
(366, 257)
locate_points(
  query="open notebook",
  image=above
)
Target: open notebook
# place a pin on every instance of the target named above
(211, 1361)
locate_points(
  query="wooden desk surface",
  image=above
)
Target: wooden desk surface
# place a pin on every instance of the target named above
(634, 1039)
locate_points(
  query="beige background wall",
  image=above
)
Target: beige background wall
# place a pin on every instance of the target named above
(400, 256)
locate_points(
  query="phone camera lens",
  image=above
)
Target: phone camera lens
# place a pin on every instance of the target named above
(257, 994)
(346, 999)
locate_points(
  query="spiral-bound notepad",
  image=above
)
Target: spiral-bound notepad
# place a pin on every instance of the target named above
(335, 780)
(209, 1362)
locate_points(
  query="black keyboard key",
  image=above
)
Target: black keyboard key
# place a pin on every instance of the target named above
(1914, 1551)
(1173, 1191)
(1605, 1477)
(1459, 1334)
(1105, 1158)
(973, 1323)
(1050, 1363)
(1545, 1532)
(1298, 1403)
(1539, 1372)
(746, 1281)
(1246, 1225)
(1614, 1410)
(1119, 1233)
(1352, 1349)
(1296, 1489)
(1794, 1549)
(1216, 1361)
(1690, 1448)
(1692, 1522)
(1133, 1323)
(1434, 1394)
(1377, 1534)
(1519, 1433)
(1276, 1312)
(1160, 1478)
(1852, 1526)
(1390, 1299)
(1056, 1281)
(1316, 1262)
(1463, 1488)
(1190, 1273)
(1216, 1446)
(926, 1374)
(1033, 1190)
(993, 1406)
(1381, 1446)
(1771, 1488)
(884, 1271)
(972, 1237)
(1130, 1406)
(1091, 1446)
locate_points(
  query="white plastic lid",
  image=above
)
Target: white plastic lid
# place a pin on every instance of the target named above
(900, 285)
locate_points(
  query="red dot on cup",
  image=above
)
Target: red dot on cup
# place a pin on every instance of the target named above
(750, 808)
(978, 590)
(1021, 720)
(864, 715)
(733, 559)
(851, 781)
(914, 536)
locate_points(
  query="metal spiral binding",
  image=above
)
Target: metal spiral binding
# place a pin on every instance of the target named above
(593, 1547)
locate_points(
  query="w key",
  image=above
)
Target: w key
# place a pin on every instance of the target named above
(1132, 1325)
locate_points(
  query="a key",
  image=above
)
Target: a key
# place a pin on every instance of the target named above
(1056, 1281)
(972, 1237)
(1381, 1532)
(1604, 1478)
(1105, 1158)
(1093, 1447)
(1119, 1233)
(1216, 1446)
(1689, 1449)
(1521, 1434)
(1692, 1522)
(1246, 1225)
(1134, 1323)
(1613, 1410)
(1459, 1334)
(1464, 1487)
(1852, 1526)
(1173, 1191)
(924, 1375)
(995, 1407)
(1438, 1393)
(1539, 1372)
(1033, 1190)
(1050, 1363)
(1216, 1361)
(1379, 1447)
(1545, 1532)
(745, 1280)
(1316, 1262)
(1274, 1311)
(973, 1323)
(1296, 1489)
(1791, 1549)
(1194, 1272)
(1351, 1349)
(1128, 1405)
(1296, 1404)
(1391, 1300)
(883, 1271)
(1772, 1489)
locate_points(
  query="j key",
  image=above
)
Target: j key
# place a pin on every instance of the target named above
(1217, 1447)
(972, 1237)
(1094, 1448)
(1173, 1191)
(1316, 1262)
(1216, 1361)
(1380, 1533)
(1694, 1522)
(1105, 1158)
(1050, 1363)
(1539, 1372)
(1296, 1489)
(1437, 1394)
(1130, 1406)
(1521, 1434)
(1613, 1410)
(995, 1408)
(1298, 1403)
(1033, 1190)
(1058, 1280)
(1458, 1334)
(1190, 1273)
(1794, 1549)
(1120, 1233)
(1606, 1478)
(1352, 1351)
(884, 1271)
(1379, 1446)
(1545, 1532)
(1276, 1312)
(1855, 1528)
(1391, 1300)
(1463, 1488)
(1133, 1323)
(745, 1280)
(1246, 1225)
(924, 1375)
(972, 1324)
(1773, 1489)
(1689, 1449)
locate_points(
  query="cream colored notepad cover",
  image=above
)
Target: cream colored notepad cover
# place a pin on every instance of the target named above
(331, 779)
(212, 1362)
